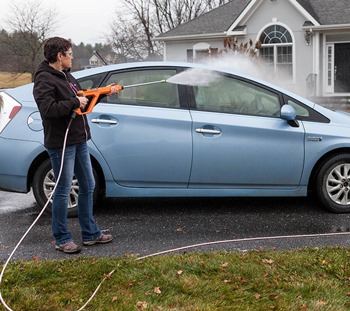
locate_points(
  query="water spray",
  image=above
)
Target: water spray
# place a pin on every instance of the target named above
(196, 77)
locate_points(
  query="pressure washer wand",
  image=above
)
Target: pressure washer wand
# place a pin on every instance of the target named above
(142, 84)
(95, 93)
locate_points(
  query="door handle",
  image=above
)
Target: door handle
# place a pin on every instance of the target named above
(207, 131)
(104, 121)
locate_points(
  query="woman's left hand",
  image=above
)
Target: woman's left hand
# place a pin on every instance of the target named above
(114, 89)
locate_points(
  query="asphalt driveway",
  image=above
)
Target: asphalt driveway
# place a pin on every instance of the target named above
(147, 226)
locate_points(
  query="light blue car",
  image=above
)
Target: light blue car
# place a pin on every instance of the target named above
(231, 137)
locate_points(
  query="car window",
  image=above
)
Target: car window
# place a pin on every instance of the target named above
(304, 112)
(159, 94)
(300, 110)
(230, 95)
(91, 81)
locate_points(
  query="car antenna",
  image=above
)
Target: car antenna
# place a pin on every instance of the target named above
(100, 57)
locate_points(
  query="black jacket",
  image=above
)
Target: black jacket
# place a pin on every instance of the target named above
(55, 94)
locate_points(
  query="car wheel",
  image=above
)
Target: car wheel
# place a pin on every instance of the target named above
(333, 184)
(44, 183)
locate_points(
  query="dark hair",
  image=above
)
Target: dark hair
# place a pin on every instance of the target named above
(54, 45)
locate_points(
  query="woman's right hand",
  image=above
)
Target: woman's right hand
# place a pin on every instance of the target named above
(83, 102)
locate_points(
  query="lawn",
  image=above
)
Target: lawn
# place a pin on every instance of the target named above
(304, 279)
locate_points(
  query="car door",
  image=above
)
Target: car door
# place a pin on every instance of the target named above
(142, 132)
(239, 140)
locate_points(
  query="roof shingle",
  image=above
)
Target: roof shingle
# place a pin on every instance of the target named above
(219, 20)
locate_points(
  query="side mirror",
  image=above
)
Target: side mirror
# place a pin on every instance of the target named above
(289, 114)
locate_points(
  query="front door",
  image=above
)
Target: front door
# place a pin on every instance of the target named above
(142, 132)
(338, 68)
(342, 68)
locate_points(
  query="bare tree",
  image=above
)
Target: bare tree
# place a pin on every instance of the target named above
(28, 25)
(127, 40)
(134, 35)
(7, 61)
(170, 14)
(133, 42)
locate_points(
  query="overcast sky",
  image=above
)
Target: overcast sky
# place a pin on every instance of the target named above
(85, 21)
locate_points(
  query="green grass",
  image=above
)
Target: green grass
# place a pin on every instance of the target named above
(305, 279)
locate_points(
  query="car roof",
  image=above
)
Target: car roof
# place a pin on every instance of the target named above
(101, 69)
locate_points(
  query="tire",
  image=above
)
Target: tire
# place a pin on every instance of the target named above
(44, 182)
(333, 184)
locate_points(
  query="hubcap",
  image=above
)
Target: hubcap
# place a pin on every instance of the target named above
(49, 184)
(338, 184)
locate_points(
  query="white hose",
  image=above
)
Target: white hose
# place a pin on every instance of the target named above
(244, 240)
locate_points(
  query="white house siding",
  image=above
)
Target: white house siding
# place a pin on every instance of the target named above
(177, 50)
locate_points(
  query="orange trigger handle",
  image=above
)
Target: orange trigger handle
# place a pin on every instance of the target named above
(94, 94)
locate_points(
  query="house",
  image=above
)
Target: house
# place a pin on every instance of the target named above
(81, 63)
(98, 59)
(305, 43)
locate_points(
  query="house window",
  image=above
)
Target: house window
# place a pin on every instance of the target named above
(190, 56)
(277, 51)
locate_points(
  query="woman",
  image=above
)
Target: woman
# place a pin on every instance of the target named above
(55, 92)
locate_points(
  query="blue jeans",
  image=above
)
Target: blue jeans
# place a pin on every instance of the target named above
(76, 162)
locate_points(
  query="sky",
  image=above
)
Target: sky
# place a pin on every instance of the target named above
(86, 21)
